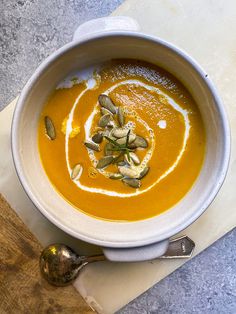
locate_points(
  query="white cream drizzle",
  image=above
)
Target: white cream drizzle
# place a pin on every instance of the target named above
(90, 84)
(78, 77)
(162, 124)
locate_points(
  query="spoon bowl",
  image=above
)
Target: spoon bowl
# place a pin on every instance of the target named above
(59, 264)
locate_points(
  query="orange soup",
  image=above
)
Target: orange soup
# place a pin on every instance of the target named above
(123, 140)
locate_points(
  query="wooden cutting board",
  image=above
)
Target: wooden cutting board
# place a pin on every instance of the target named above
(22, 290)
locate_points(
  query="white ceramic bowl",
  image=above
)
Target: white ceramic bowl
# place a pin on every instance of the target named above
(148, 238)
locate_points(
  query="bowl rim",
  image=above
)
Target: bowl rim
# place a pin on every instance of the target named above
(220, 108)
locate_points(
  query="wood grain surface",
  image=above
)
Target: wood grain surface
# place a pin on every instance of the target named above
(22, 290)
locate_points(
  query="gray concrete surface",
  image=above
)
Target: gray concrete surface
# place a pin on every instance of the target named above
(206, 284)
(32, 29)
(29, 31)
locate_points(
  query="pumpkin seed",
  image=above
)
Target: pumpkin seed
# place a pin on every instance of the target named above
(76, 172)
(128, 160)
(119, 133)
(134, 183)
(106, 102)
(121, 163)
(132, 146)
(106, 133)
(134, 158)
(139, 142)
(104, 162)
(104, 120)
(92, 146)
(97, 138)
(121, 116)
(144, 172)
(111, 124)
(122, 140)
(118, 158)
(105, 111)
(112, 138)
(107, 149)
(116, 176)
(50, 129)
(129, 172)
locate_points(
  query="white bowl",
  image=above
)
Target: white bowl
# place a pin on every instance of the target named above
(151, 233)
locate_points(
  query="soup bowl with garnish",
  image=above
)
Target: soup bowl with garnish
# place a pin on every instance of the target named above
(120, 139)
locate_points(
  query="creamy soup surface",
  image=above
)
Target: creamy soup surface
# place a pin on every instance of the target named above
(123, 140)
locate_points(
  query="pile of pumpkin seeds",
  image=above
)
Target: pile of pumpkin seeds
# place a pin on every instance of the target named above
(120, 144)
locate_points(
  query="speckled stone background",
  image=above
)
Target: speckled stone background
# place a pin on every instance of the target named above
(29, 31)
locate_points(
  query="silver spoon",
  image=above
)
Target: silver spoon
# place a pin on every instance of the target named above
(60, 265)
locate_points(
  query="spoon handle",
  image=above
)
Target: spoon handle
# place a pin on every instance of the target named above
(92, 259)
(181, 247)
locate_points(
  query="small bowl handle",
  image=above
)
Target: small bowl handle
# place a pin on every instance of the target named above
(105, 24)
(136, 254)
